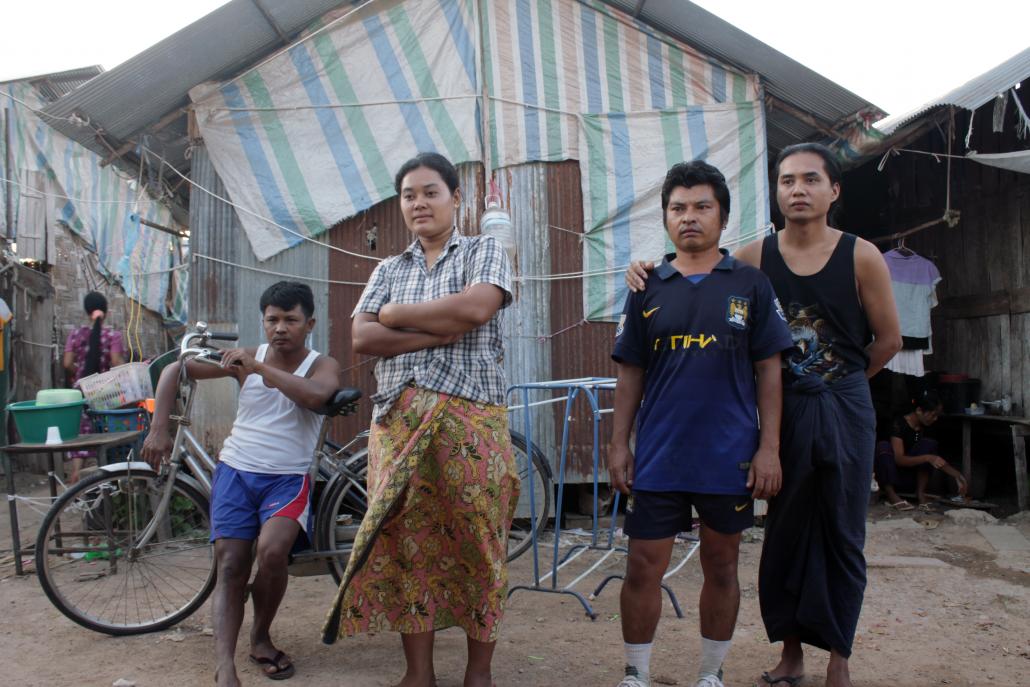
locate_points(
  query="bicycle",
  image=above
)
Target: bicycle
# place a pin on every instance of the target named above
(127, 550)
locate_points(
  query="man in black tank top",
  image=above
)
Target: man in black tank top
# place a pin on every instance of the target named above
(836, 290)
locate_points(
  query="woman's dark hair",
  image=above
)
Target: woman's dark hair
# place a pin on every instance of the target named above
(288, 295)
(94, 301)
(926, 400)
(697, 173)
(434, 161)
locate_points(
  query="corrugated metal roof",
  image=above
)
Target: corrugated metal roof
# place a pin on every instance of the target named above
(970, 95)
(138, 92)
(782, 77)
(53, 86)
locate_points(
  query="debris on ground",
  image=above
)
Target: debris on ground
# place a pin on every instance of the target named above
(969, 517)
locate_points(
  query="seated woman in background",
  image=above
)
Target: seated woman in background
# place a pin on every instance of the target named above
(908, 459)
(90, 349)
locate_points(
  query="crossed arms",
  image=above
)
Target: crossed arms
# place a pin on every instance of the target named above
(406, 327)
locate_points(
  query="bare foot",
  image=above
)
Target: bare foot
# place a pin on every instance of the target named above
(227, 677)
(417, 681)
(791, 665)
(837, 673)
(473, 679)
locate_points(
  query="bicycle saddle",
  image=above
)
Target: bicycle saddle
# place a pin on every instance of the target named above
(342, 402)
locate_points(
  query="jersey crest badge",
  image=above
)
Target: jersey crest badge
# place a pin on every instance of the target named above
(737, 311)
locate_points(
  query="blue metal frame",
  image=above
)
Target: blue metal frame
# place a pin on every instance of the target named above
(588, 387)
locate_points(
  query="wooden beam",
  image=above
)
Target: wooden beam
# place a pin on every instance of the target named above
(125, 148)
(1019, 301)
(1014, 302)
(161, 227)
(980, 305)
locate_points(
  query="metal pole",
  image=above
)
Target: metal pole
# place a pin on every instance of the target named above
(8, 167)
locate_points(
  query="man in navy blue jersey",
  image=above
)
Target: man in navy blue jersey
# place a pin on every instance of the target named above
(700, 346)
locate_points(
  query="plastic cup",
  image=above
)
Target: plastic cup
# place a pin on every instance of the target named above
(53, 435)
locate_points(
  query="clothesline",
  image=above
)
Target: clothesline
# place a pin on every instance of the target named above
(34, 192)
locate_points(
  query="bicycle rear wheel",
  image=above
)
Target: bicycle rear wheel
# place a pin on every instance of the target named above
(520, 537)
(90, 570)
(343, 505)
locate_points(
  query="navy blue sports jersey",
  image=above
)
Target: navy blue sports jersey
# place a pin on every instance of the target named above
(697, 427)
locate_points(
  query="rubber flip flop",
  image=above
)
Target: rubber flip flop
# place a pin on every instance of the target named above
(901, 505)
(790, 681)
(282, 672)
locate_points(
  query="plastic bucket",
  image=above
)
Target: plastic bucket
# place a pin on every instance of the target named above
(32, 420)
(127, 420)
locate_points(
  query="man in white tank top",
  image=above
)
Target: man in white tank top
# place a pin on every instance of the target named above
(261, 489)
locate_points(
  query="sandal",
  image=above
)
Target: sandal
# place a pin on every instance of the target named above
(790, 681)
(901, 505)
(927, 508)
(283, 666)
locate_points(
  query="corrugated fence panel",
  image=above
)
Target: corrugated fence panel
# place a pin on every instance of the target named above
(213, 229)
(578, 348)
(526, 321)
(214, 289)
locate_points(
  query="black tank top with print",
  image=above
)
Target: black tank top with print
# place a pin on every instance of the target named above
(827, 322)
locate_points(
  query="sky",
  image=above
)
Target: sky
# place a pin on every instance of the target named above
(897, 54)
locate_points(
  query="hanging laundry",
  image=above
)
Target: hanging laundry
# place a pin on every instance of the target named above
(914, 281)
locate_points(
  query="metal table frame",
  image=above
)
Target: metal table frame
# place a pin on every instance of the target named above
(84, 442)
(588, 388)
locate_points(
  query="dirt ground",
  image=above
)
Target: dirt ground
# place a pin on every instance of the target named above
(964, 622)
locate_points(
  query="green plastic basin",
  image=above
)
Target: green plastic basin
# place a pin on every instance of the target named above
(49, 397)
(32, 420)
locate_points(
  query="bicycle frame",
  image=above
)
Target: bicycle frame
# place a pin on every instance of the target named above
(187, 450)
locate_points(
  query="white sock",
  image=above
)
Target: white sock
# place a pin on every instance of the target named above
(713, 653)
(639, 656)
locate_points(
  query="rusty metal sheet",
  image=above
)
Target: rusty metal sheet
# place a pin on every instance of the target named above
(578, 348)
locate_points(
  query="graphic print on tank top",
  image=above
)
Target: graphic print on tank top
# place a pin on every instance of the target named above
(813, 344)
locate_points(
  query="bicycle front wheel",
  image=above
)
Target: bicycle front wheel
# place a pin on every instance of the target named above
(91, 568)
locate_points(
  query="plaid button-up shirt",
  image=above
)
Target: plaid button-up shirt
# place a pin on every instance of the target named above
(469, 368)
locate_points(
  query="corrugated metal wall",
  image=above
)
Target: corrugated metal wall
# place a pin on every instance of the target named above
(227, 296)
(578, 348)
(524, 194)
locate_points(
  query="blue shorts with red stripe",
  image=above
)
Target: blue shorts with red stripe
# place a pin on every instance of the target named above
(242, 502)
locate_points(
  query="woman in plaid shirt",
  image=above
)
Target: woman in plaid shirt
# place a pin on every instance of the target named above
(431, 551)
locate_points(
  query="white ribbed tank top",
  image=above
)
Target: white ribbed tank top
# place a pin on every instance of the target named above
(271, 434)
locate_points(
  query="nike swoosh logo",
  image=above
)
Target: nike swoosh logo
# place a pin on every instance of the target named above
(741, 507)
(652, 311)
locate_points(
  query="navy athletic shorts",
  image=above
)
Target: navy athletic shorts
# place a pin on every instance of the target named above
(664, 514)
